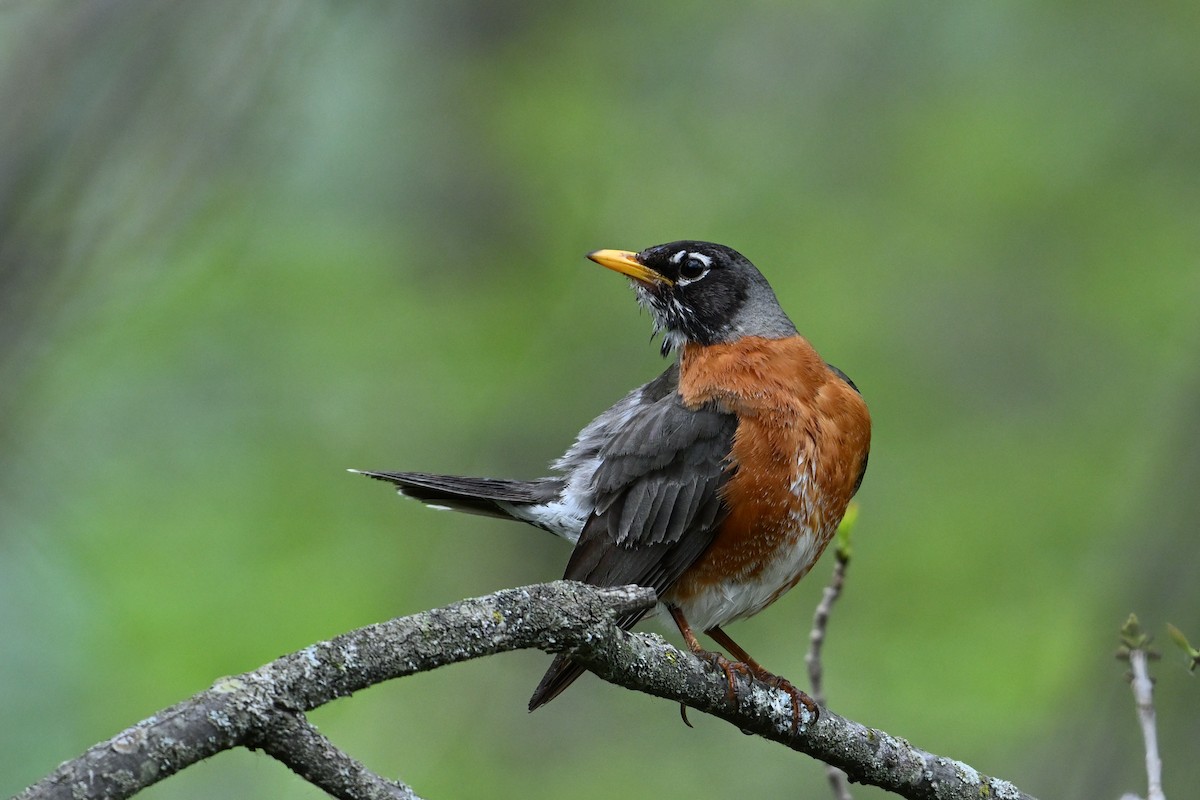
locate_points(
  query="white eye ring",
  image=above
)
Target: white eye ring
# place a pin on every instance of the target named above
(697, 262)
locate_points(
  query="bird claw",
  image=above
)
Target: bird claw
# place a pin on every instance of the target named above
(799, 698)
(731, 668)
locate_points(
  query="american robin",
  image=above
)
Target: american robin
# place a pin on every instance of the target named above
(719, 483)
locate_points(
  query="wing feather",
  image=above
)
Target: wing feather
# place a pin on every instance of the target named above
(658, 506)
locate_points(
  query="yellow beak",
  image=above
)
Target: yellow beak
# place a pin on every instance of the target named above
(626, 263)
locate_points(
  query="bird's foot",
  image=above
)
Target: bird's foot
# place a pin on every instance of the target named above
(730, 668)
(753, 670)
(799, 698)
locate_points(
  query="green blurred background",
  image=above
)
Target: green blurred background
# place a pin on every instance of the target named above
(244, 246)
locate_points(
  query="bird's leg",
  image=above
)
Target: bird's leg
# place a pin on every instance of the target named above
(716, 659)
(693, 644)
(722, 638)
(745, 665)
(771, 679)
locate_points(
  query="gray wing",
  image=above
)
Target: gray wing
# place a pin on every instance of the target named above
(658, 479)
(658, 507)
(600, 431)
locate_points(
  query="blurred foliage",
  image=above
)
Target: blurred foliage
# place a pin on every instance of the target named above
(1191, 654)
(245, 246)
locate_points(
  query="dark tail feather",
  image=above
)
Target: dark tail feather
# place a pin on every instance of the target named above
(473, 495)
(562, 673)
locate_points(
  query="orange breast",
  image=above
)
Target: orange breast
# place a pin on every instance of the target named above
(800, 445)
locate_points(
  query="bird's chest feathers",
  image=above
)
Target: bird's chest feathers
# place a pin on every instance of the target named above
(792, 467)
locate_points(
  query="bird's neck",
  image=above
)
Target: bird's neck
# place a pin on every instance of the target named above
(750, 370)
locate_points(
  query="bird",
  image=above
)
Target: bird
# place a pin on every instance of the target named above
(718, 483)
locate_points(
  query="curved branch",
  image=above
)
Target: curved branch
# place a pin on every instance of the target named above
(294, 741)
(244, 711)
(256, 708)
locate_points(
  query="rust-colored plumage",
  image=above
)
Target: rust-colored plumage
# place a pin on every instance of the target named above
(799, 451)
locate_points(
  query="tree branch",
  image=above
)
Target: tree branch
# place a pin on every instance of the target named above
(295, 742)
(245, 710)
(264, 708)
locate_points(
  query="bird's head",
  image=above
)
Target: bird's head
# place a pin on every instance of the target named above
(700, 292)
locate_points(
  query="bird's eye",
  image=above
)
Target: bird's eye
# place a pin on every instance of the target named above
(692, 269)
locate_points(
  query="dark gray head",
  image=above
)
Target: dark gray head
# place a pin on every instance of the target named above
(700, 292)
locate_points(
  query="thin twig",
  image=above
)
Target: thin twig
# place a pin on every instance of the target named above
(816, 641)
(816, 638)
(1143, 694)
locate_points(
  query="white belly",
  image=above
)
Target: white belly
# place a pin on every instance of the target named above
(738, 598)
